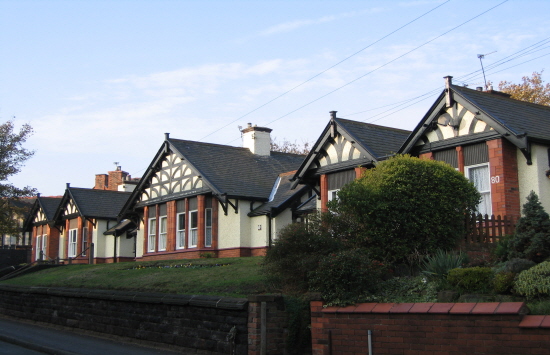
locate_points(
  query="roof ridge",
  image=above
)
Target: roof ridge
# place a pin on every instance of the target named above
(373, 125)
(502, 97)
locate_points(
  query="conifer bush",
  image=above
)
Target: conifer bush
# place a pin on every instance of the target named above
(532, 237)
(535, 282)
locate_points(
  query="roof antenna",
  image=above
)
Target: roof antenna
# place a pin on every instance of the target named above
(481, 56)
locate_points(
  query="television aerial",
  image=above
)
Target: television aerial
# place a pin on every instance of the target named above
(481, 56)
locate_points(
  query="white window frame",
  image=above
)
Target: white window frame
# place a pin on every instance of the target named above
(208, 227)
(84, 240)
(73, 242)
(193, 231)
(44, 244)
(333, 194)
(180, 232)
(38, 246)
(163, 231)
(152, 235)
(485, 194)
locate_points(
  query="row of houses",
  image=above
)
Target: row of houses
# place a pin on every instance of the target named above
(199, 198)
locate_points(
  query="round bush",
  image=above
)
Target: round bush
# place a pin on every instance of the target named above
(517, 265)
(535, 282)
(503, 282)
(472, 279)
(346, 277)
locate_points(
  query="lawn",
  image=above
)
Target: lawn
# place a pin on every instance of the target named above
(231, 277)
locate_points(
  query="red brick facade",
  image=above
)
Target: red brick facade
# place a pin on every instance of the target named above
(52, 241)
(503, 166)
(172, 252)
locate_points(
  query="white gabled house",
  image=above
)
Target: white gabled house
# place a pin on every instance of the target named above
(197, 198)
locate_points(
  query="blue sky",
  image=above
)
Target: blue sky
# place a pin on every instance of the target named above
(102, 81)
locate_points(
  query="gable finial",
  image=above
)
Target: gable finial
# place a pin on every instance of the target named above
(68, 184)
(166, 136)
(333, 114)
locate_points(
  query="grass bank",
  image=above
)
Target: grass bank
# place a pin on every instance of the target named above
(231, 277)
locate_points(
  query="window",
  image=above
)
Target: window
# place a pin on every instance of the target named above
(208, 227)
(194, 228)
(180, 230)
(84, 240)
(479, 176)
(44, 245)
(152, 234)
(38, 247)
(333, 194)
(162, 233)
(73, 238)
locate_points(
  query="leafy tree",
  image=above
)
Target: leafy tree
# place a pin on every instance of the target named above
(532, 237)
(287, 146)
(406, 205)
(12, 157)
(531, 90)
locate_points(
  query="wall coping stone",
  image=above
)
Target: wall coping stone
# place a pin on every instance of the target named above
(535, 322)
(437, 308)
(228, 303)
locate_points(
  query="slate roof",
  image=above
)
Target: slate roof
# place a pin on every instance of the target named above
(49, 205)
(377, 142)
(283, 196)
(517, 116)
(91, 203)
(518, 121)
(381, 141)
(236, 171)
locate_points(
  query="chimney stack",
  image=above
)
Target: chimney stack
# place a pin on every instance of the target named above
(257, 139)
(448, 93)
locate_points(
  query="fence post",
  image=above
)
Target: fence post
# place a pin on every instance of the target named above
(91, 254)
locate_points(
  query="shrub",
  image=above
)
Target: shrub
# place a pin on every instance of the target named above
(437, 266)
(296, 252)
(535, 282)
(419, 203)
(517, 265)
(346, 277)
(299, 335)
(503, 282)
(502, 248)
(532, 237)
(541, 307)
(472, 279)
(405, 290)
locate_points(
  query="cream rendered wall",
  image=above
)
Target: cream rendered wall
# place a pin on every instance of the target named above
(125, 246)
(98, 240)
(234, 229)
(283, 219)
(140, 238)
(61, 254)
(533, 177)
(259, 238)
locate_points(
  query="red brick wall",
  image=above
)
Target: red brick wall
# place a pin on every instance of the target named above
(429, 328)
(324, 192)
(505, 182)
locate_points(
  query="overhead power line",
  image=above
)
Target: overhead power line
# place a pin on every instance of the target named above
(324, 71)
(385, 64)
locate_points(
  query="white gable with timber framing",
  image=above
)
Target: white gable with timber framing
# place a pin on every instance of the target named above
(337, 150)
(455, 121)
(174, 177)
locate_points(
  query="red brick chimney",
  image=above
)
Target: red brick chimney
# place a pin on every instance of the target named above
(112, 180)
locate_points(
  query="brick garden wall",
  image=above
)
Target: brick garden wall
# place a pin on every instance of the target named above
(195, 323)
(198, 324)
(429, 328)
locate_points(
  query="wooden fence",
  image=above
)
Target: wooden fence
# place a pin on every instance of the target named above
(482, 229)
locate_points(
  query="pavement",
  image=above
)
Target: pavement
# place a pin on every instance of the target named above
(28, 338)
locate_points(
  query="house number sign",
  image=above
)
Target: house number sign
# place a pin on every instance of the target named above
(495, 179)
